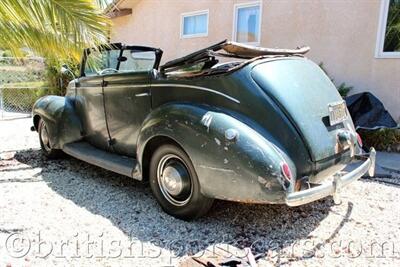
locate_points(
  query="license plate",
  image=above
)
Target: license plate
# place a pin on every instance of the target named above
(337, 113)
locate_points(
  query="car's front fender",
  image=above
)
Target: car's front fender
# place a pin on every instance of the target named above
(63, 124)
(232, 161)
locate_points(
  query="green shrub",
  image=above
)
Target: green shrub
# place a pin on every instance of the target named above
(57, 81)
(6, 53)
(13, 73)
(382, 139)
(342, 88)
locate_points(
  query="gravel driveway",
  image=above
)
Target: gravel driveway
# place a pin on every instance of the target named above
(67, 212)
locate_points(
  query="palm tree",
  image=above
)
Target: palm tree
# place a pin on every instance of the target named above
(55, 29)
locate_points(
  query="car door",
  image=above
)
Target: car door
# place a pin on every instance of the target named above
(90, 108)
(127, 97)
(90, 97)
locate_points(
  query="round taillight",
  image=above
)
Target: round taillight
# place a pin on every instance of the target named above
(287, 173)
(359, 140)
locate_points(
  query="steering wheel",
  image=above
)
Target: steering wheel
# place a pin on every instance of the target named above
(107, 70)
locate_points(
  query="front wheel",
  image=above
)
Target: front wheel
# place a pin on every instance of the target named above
(174, 183)
(45, 142)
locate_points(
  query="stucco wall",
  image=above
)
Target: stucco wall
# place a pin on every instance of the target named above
(342, 35)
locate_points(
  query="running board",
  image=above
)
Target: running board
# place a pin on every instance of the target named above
(109, 161)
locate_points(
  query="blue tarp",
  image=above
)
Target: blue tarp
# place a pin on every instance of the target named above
(368, 112)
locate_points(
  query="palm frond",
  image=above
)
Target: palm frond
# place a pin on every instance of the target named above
(44, 43)
(52, 28)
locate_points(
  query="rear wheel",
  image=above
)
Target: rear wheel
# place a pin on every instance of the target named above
(45, 142)
(174, 183)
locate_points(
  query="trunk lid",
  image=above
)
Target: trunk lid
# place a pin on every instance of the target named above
(303, 92)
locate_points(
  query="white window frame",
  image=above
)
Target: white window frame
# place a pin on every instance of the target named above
(235, 18)
(191, 14)
(379, 53)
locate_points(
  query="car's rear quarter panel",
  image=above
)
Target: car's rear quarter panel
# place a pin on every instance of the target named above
(246, 169)
(256, 109)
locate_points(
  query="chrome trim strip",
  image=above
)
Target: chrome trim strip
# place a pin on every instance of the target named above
(142, 94)
(196, 87)
(174, 85)
(117, 86)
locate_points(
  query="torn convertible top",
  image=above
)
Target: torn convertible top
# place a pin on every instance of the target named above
(231, 49)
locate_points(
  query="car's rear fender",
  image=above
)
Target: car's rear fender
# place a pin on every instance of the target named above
(63, 124)
(232, 160)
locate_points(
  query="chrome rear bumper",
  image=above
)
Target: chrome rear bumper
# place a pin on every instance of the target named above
(333, 187)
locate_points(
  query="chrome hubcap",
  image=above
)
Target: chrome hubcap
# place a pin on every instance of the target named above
(174, 180)
(45, 137)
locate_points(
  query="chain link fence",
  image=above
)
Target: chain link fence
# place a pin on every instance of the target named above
(18, 101)
(21, 84)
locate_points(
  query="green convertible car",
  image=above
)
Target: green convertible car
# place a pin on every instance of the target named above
(230, 121)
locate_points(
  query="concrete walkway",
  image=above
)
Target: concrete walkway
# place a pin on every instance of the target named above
(387, 165)
(7, 115)
(388, 161)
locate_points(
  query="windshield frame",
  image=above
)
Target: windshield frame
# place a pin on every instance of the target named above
(118, 46)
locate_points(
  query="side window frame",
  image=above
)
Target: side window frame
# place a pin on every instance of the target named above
(383, 16)
(158, 52)
(87, 51)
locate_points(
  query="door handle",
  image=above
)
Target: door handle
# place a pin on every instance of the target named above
(142, 94)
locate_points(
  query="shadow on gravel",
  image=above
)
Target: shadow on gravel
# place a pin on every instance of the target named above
(130, 206)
